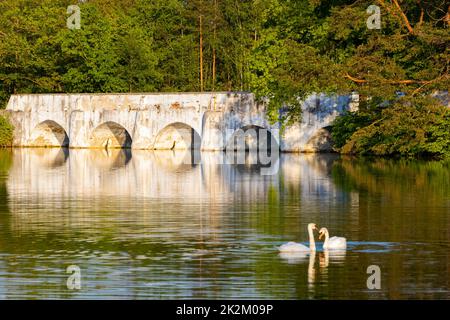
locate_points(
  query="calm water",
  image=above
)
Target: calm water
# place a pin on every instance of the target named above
(148, 225)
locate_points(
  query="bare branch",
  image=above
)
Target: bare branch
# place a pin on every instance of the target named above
(405, 18)
(407, 82)
(422, 13)
(447, 16)
(391, 10)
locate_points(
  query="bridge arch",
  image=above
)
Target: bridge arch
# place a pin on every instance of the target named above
(49, 134)
(177, 136)
(110, 135)
(252, 137)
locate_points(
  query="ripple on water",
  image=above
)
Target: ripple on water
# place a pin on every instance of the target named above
(213, 231)
(372, 247)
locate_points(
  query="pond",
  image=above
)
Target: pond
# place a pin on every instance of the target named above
(151, 225)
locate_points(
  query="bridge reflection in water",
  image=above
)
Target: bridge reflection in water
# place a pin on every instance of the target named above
(85, 174)
(68, 191)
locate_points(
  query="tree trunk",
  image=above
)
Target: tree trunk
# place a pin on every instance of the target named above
(201, 55)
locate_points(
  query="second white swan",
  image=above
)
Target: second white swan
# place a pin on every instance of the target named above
(333, 242)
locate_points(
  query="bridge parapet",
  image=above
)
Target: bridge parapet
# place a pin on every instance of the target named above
(157, 121)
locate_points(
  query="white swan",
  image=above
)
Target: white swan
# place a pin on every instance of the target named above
(298, 247)
(333, 242)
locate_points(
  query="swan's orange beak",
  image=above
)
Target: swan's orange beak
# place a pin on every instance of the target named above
(320, 236)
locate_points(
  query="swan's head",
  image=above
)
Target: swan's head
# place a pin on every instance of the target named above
(322, 232)
(312, 226)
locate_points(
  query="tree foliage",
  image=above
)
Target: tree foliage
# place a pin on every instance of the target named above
(412, 130)
(6, 132)
(283, 50)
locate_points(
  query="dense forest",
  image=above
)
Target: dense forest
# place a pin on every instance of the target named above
(280, 49)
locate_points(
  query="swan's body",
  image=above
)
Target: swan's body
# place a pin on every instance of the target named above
(333, 242)
(298, 247)
(293, 247)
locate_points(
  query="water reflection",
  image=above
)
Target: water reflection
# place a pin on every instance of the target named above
(158, 174)
(315, 276)
(337, 257)
(295, 257)
(311, 272)
(160, 225)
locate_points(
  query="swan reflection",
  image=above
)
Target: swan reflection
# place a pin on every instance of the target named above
(302, 257)
(294, 257)
(336, 257)
(314, 276)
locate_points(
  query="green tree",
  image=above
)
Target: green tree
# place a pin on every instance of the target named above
(29, 61)
(281, 50)
(6, 132)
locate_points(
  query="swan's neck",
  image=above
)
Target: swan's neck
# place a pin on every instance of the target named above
(327, 237)
(312, 243)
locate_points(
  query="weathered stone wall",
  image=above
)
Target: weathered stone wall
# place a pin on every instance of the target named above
(162, 121)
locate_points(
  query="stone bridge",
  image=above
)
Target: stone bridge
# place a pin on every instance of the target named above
(206, 121)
